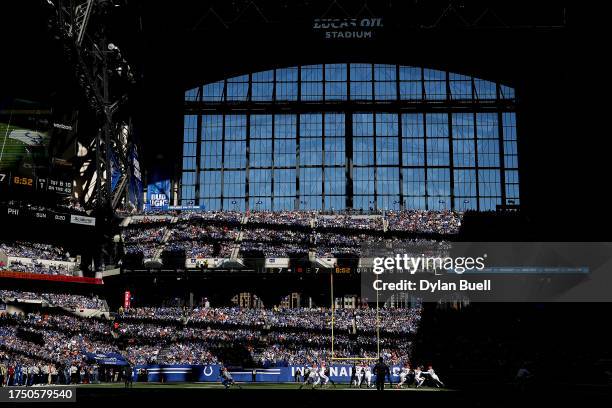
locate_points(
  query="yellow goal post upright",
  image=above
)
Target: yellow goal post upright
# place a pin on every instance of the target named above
(333, 312)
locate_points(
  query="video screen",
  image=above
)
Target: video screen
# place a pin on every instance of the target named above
(24, 146)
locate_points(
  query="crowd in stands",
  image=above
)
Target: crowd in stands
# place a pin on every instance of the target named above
(40, 268)
(196, 240)
(154, 234)
(404, 321)
(193, 249)
(67, 338)
(57, 346)
(329, 243)
(274, 250)
(416, 221)
(271, 235)
(56, 341)
(33, 257)
(27, 369)
(221, 216)
(225, 249)
(71, 301)
(183, 352)
(34, 250)
(364, 222)
(281, 355)
(6, 294)
(330, 238)
(58, 360)
(203, 234)
(144, 240)
(150, 219)
(147, 249)
(287, 218)
(187, 232)
(433, 222)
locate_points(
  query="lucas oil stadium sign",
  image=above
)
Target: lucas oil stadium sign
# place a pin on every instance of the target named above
(347, 28)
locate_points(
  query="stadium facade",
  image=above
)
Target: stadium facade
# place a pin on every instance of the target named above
(358, 136)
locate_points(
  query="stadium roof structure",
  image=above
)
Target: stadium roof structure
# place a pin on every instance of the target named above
(178, 46)
(520, 44)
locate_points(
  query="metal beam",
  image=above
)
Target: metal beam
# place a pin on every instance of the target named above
(82, 12)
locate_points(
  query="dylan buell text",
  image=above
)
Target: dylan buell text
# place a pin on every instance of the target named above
(424, 285)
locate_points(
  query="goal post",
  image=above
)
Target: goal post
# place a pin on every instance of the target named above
(333, 313)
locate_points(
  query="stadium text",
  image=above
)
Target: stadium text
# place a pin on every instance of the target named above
(348, 28)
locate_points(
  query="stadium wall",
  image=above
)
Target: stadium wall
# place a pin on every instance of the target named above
(210, 373)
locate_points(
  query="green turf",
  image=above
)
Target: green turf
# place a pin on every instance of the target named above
(251, 386)
(14, 150)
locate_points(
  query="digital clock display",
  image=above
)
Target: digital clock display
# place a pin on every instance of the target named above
(23, 181)
(40, 184)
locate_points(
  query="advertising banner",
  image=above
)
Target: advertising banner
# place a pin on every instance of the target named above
(159, 194)
(106, 358)
(127, 296)
(191, 263)
(277, 263)
(340, 373)
(56, 278)
(79, 219)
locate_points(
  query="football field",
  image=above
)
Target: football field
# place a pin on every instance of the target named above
(17, 143)
(256, 386)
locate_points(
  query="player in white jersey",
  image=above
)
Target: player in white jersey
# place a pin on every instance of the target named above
(306, 376)
(324, 379)
(226, 378)
(368, 375)
(418, 379)
(403, 376)
(311, 376)
(359, 375)
(434, 377)
(314, 376)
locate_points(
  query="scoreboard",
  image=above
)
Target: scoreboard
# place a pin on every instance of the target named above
(35, 184)
(338, 270)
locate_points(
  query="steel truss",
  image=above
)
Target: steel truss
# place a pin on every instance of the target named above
(103, 76)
